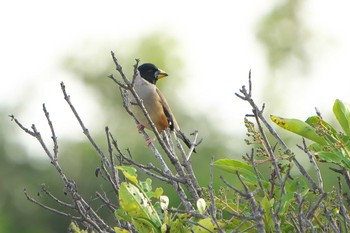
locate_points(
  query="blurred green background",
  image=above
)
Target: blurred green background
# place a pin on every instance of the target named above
(282, 35)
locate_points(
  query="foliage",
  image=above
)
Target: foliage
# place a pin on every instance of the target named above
(329, 145)
(146, 216)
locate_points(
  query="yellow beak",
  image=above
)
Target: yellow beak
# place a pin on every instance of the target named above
(162, 74)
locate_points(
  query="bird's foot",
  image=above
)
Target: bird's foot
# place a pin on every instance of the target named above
(149, 141)
(140, 127)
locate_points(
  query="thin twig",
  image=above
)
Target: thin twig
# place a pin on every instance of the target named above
(343, 172)
(200, 225)
(212, 209)
(87, 214)
(257, 175)
(279, 200)
(135, 71)
(331, 222)
(61, 203)
(51, 209)
(343, 210)
(85, 130)
(107, 202)
(313, 162)
(191, 213)
(247, 96)
(162, 175)
(236, 230)
(28, 131)
(257, 211)
(242, 216)
(115, 181)
(110, 206)
(306, 175)
(193, 145)
(310, 214)
(54, 137)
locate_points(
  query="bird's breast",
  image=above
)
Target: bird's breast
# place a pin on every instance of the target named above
(151, 101)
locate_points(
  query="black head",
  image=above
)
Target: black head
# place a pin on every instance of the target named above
(151, 73)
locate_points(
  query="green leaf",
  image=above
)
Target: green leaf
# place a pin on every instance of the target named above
(342, 113)
(245, 171)
(232, 166)
(158, 192)
(336, 157)
(144, 225)
(120, 230)
(315, 147)
(120, 213)
(74, 228)
(291, 188)
(299, 127)
(146, 187)
(129, 173)
(207, 223)
(267, 204)
(178, 225)
(136, 204)
(314, 121)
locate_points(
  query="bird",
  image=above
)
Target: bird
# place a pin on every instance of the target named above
(154, 101)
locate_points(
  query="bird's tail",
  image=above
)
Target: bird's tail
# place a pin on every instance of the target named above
(183, 137)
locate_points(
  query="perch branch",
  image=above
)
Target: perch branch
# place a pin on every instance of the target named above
(173, 158)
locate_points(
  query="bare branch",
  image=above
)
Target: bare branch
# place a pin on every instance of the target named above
(252, 163)
(332, 224)
(194, 144)
(343, 210)
(247, 96)
(53, 134)
(306, 175)
(87, 214)
(212, 208)
(28, 131)
(119, 68)
(257, 211)
(135, 71)
(191, 213)
(115, 181)
(343, 172)
(61, 203)
(310, 214)
(51, 209)
(312, 161)
(85, 130)
(200, 225)
(117, 81)
(238, 228)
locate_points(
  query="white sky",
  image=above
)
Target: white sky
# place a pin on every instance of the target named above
(217, 39)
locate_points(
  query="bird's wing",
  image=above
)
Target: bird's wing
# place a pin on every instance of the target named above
(167, 111)
(172, 121)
